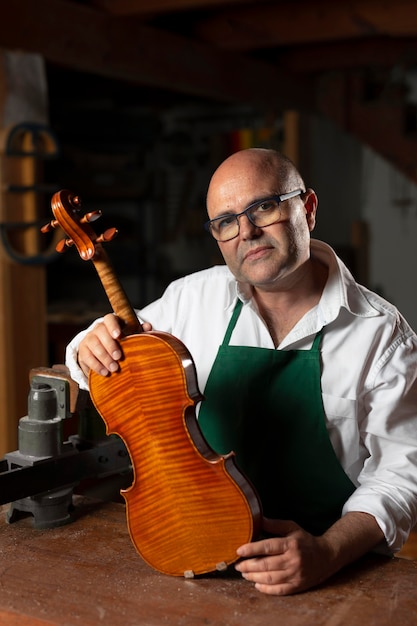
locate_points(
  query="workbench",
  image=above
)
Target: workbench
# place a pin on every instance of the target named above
(89, 573)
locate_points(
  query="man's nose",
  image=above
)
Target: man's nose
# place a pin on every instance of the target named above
(247, 230)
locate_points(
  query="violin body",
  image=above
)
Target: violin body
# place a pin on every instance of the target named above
(186, 514)
(188, 509)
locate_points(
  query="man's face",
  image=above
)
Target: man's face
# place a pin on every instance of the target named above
(267, 258)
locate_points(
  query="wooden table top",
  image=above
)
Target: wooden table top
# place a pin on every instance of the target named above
(89, 573)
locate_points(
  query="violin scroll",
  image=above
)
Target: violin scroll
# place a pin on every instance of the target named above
(66, 207)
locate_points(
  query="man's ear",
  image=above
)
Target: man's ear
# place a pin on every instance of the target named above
(310, 203)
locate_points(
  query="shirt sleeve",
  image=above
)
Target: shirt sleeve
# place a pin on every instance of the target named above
(388, 429)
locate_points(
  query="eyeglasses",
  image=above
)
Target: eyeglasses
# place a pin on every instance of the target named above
(261, 213)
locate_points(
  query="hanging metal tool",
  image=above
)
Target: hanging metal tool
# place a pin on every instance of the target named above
(24, 148)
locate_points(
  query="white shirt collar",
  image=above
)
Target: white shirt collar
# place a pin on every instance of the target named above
(340, 291)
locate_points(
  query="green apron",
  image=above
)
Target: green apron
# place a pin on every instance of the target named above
(266, 406)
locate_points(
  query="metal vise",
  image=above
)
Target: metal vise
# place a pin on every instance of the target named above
(39, 478)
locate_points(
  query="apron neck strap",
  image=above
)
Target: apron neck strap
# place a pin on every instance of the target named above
(232, 323)
(236, 312)
(317, 340)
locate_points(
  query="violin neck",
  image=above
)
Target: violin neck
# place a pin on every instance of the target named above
(115, 293)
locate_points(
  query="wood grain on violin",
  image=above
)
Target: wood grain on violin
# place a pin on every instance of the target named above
(188, 508)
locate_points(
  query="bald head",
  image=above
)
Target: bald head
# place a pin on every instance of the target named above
(259, 164)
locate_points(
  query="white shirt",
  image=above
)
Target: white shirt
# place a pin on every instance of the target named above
(369, 372)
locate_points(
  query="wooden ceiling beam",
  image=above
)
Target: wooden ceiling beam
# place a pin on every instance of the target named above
(383, 52)
(289, 23)
(88, 40)
(155, 7)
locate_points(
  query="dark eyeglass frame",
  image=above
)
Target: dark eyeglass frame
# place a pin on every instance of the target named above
(279, 198)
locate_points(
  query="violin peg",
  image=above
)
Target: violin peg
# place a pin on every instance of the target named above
(62, 245)
(108, 235)
(75, 201)
(49, 226)
(90, 217)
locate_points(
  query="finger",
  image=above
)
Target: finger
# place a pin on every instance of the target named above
(280, 589)
(112, 325)
(96, 359)
(277, 582)
(89, 362)
(257, 565)
(102, 343)
(266, 578)
(99, 351)
(273, 545)
(271, 555)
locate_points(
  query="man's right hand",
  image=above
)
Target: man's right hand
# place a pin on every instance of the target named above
(100, 349)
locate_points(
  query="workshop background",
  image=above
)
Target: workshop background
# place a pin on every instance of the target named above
(133, 103)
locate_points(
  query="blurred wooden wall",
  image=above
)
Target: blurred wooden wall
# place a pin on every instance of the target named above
(23, 324)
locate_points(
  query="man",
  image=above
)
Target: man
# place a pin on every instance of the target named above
(313, 385)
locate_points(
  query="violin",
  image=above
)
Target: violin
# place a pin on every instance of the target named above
(188, 508)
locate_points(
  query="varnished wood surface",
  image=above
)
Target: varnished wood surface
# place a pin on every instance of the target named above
(186, 512)
(88, 573)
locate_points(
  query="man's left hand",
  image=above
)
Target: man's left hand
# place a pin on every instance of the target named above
(292, 562)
